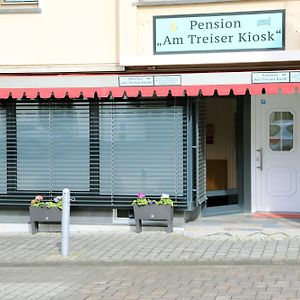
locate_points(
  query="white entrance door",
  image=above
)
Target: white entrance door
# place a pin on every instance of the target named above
(278, 153)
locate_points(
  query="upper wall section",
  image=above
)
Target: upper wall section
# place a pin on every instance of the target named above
(110, 35)
(137, 32)
(61, 35)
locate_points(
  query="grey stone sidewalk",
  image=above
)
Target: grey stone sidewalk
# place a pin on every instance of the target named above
(213, 282)
(152, 247)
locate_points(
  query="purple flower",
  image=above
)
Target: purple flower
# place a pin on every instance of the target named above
(141, 195)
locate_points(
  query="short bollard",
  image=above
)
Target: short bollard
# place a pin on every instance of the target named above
(65, 223)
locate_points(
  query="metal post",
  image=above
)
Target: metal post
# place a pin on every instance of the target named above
(65, 223)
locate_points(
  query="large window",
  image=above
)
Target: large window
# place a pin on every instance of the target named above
(105, 152)
(3, 164)
(52, 147)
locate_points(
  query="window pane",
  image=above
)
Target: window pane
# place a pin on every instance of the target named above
(70, 149)
(275, 144)
(141, 150)
(286, 115)
(33, 142)
(274, 130)
(53, 148)
(287, 145)
(281, 130)
(275, 116)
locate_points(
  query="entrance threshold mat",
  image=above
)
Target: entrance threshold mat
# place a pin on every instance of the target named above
(276, 215)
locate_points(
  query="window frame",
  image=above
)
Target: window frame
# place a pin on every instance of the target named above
(281, 139)
(20, 6)
(51, 115)
(18, 2)
(91, 198)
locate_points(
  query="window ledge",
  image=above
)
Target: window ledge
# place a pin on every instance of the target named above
(19, 10)
(177, 2)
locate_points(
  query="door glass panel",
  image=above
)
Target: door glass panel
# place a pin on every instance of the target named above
(281, 130)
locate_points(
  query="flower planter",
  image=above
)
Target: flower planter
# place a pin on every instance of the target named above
(43, 214)
(153, 212)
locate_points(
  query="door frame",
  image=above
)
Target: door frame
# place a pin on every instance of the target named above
(255, 144)
(243, 160)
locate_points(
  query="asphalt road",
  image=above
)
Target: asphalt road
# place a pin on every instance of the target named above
(210, 282)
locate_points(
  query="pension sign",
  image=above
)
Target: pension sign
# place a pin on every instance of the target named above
(244, 31)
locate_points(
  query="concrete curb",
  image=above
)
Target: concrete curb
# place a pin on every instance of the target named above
(132, 263)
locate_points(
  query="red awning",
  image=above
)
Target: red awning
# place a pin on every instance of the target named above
(160, 91)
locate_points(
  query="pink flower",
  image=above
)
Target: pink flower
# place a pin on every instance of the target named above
(39, 197)
(141, 195)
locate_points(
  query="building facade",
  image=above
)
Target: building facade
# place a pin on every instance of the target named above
(197, 99)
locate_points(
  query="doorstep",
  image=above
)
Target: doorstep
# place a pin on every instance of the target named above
(243, 226)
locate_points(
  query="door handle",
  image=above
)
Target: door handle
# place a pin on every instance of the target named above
(259, 159)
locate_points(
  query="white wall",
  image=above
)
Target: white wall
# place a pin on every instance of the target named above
(79, 35)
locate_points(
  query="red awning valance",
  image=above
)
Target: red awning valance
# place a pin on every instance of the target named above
(160, 91)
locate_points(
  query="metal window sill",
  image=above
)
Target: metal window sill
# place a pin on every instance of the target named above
(177, 2)
(19, 9)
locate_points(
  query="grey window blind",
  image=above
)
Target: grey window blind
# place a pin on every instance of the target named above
(3, 163)
(141, 149)
(201, 150)
(53, 147)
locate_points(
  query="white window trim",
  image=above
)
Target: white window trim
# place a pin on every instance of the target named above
(19, 2)
(19, 6)
(177, 2)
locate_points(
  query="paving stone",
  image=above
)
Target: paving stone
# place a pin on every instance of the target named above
(149, 282)
(158, 247)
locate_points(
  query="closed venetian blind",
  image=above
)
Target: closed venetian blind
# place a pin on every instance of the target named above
(3, 164)
(52, 147)
(201, 150)
(141, 149)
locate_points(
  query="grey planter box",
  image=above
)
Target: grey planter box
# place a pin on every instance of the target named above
(153, 212)
(43, 214)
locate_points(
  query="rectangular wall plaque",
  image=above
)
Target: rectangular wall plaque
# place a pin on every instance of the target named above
(295, 76)
(167, 80)
(136, 81)
(243, 31)
(269, 77)
(150, 80)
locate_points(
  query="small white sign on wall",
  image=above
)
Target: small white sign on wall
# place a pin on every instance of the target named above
(163, 80)
(269, 77)
(167, 80)
(136, 81)
(295, 76)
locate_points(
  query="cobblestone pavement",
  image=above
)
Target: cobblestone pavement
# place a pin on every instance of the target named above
(265, 282)
(145, 248)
